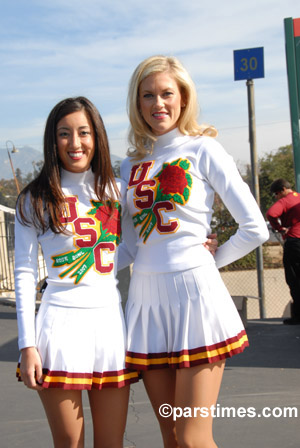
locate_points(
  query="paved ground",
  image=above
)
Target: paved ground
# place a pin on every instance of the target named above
(266, 375)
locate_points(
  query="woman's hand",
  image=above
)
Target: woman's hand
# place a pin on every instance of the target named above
(211, 243)
(31, 368)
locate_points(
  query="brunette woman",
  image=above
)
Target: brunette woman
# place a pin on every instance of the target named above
(77, 340)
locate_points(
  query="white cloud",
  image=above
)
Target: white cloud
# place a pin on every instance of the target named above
(68, 47)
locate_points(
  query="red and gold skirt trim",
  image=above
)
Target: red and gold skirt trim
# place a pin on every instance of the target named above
(85, 381)
(188, 358)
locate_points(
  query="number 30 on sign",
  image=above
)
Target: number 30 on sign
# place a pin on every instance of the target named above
(248, 63)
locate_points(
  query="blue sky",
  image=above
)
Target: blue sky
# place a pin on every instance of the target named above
(52, 50)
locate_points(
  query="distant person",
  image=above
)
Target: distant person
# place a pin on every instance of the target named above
(284, 216)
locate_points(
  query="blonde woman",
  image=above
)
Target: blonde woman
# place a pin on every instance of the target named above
(182, 323)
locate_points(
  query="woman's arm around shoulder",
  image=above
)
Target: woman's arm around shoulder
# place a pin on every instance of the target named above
(127, 248)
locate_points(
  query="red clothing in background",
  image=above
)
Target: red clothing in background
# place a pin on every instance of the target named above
(286, 213)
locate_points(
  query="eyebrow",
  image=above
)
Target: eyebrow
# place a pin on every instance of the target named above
(150, 90)
(66, 127)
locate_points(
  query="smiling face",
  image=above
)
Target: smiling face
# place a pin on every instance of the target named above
(75, 142)
(160, 102)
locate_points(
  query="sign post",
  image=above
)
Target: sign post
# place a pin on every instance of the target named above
(249, 64)
(292, 46)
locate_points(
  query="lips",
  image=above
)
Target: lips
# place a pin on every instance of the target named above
(75, 155)
(160, 115)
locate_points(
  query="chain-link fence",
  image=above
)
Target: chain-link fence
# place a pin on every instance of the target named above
(276, 291)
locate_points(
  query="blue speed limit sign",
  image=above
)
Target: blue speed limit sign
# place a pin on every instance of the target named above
(248, 63)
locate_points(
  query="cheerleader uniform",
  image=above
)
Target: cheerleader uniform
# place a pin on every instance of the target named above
(79, 330)
(179, 312)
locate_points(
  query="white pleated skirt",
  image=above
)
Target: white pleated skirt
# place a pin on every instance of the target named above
(181, 319)
(82, 348)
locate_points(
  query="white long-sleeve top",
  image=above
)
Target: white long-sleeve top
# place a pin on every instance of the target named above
(81, 265)
(170, 197)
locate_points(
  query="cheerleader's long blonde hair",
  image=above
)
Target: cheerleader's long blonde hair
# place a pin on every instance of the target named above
(140, 137)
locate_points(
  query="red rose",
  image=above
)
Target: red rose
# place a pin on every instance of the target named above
(110, 220)
(172, 180)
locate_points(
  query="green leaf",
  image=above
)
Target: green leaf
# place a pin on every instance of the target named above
(159, 195)
(97, 204)
(186, 193)
(177, 198)
(185, 164)
(110, 237)
(189, 179)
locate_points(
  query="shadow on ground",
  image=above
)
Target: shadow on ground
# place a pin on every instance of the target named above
(272, 344)
(9, 351)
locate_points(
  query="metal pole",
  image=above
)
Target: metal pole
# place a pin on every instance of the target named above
(255, 188)
(14, 149)
(12, 168)
(293, 95)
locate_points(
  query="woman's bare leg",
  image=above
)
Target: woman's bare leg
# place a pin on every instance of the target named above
(65, 416)
(109, 412)
(197, 387)
(160, 386)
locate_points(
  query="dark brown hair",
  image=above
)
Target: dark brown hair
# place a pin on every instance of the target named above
(279, 185)
(46, 196)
